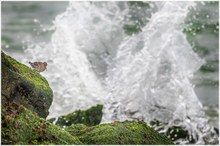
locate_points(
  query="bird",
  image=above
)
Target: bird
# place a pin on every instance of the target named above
(38, 66)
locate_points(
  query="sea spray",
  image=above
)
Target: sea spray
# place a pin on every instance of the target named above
(86, 34)
(151, 75)
(144, 76)
(155, 64)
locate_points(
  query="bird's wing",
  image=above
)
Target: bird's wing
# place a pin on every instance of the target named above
(36, 63)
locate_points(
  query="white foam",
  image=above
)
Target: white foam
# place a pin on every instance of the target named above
(145, 76)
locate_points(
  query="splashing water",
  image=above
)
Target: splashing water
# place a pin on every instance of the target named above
(145, 76)
(80, 40)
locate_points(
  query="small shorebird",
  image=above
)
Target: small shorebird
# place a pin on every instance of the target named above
(39, 66)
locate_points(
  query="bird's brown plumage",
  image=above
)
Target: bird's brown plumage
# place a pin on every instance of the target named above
(39, 66)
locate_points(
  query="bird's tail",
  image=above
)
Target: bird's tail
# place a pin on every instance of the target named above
(30, 63)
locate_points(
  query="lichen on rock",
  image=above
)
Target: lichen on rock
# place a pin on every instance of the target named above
(25, 86)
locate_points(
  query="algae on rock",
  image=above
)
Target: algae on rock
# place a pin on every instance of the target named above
(89, 117)
(22, 126)
(25, 86)
(25, 91)
(118, 133)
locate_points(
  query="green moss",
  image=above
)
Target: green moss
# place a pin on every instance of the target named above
(89, 117)
(77, 129)
(21, 126)
(25, 86)
(119, 133)
(29, 74)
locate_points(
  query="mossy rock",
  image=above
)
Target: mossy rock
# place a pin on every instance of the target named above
(119, 133)
(76, 129)
(175, 133)
(89, 117)
(21, 126)
(25, 86)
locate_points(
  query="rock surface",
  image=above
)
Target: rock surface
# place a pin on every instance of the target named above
(118, 133)
(89, 117)
(21, 126)
(26, 96)
(25, 86)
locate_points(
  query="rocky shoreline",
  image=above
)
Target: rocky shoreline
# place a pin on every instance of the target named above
(26, 98)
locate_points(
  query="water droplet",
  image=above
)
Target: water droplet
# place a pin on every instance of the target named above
(7, 46)
(36, 20)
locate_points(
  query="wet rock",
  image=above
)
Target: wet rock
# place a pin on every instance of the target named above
(25, 86)
(89, 117)
(21, 126)
(175, 133)
(118, 133)
(216, 130)
(178, 133)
